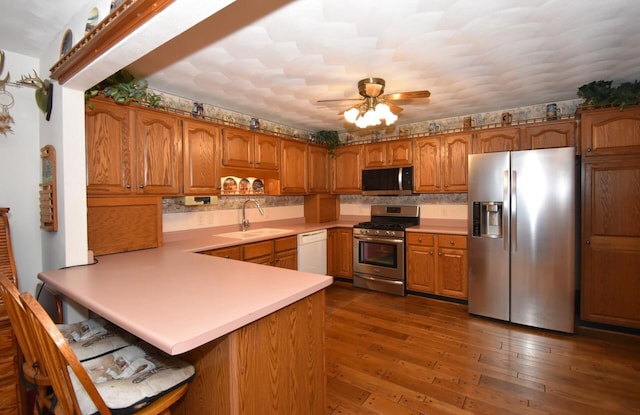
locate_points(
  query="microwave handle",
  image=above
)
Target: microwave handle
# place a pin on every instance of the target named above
(400, 170)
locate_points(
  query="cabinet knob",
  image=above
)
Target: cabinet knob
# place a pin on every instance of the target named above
(588, 149)
(227, 256)
(419, 239)
(588, 242)
(430, 252)
(446, 185)
(439, 253)
(128, 186)
(140, 186)
(452, 242)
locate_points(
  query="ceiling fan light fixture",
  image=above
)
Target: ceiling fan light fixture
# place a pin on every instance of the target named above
(370, 114)
(352, 114)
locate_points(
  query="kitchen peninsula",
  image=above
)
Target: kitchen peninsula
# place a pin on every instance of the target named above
(254, 333)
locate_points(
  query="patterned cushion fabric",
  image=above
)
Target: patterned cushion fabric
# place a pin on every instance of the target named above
(131, 377)
(94, 337)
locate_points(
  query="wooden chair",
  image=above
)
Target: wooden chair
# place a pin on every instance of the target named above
(80, 388)
(31, 369)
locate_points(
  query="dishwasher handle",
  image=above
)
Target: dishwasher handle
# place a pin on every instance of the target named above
(311, 237)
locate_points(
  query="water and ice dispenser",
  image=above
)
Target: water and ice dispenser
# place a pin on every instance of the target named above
(487, 219)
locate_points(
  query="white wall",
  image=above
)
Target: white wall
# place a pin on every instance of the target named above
(20, 172)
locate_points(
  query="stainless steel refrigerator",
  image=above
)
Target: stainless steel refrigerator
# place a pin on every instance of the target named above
(522, 237)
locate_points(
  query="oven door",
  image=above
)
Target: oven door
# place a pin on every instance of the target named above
(379, 256)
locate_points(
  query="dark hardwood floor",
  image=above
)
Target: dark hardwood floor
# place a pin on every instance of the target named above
(413, 355)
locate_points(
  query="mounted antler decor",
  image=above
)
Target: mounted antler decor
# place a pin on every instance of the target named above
(6, 101)
(44, 91)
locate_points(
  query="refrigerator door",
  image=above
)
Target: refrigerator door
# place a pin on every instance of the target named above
(543, 238)
(489, 251)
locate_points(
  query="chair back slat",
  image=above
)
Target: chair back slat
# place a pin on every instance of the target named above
(58, 357)
(17, 316)
(7, 262)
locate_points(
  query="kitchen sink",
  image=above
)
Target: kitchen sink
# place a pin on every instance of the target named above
(254, 233)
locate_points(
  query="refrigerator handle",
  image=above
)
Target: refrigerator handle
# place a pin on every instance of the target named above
(514, 212)
(505, 216)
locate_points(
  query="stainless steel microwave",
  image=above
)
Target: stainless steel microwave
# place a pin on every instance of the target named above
(387, 181)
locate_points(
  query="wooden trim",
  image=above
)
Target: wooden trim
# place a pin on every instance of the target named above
(121, 22)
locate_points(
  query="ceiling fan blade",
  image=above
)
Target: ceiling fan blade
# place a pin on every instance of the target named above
(408, 95)
(339, 99)
(394, 108)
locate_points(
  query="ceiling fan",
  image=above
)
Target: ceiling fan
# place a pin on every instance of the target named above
(375, 107)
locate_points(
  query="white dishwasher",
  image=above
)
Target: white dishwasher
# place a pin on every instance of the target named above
(312, 252)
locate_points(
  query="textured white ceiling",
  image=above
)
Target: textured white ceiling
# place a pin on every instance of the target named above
(474, 56)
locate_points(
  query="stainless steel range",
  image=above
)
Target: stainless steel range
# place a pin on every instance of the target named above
(379, 248)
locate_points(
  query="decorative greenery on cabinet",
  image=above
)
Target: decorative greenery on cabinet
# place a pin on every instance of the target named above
(601, 94)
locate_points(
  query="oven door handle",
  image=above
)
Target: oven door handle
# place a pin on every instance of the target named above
(369, 239)
(397, 282)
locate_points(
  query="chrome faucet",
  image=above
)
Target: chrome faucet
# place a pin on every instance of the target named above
(245, 222)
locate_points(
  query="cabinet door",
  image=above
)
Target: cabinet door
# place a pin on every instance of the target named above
(318, 169)
(499, 139)
(109, 150)
(200, 147)
(610, 131)
(427, 169)
(400, 153)
(267, 155)
(550, 135)
(421, 263)
(340, 252)
(237, 147)
(611, 241)
(158, 153)
(346, 170)
(455, 152)
(295, 169)
(375, 155)
(452, 273)
(286, 259)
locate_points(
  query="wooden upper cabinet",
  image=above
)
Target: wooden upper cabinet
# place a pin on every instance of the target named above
(441, 163)
(428, 170)
(267, 154)
(391, 153)
(294, 168)
(455, 154)
(346, 168)
(109, 150)
(499, 139)
(550, 135)
(158, 152)
(237, 147)
(246, 149)
(318, 169)
(610, 131)
(201, 157)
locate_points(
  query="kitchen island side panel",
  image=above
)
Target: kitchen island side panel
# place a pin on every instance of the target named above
(274, 365)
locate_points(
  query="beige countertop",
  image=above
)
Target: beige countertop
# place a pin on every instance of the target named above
(178, 300)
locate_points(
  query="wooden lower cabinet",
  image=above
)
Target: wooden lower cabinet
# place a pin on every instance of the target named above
(437, 264)
(611, 241)
(281, 252)
(340, 252)
(232, 252)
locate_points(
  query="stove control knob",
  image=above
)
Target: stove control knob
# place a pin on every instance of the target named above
(391, 233)
(377, 232)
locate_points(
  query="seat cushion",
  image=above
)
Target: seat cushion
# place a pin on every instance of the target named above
(94, 337)
(132, 377)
